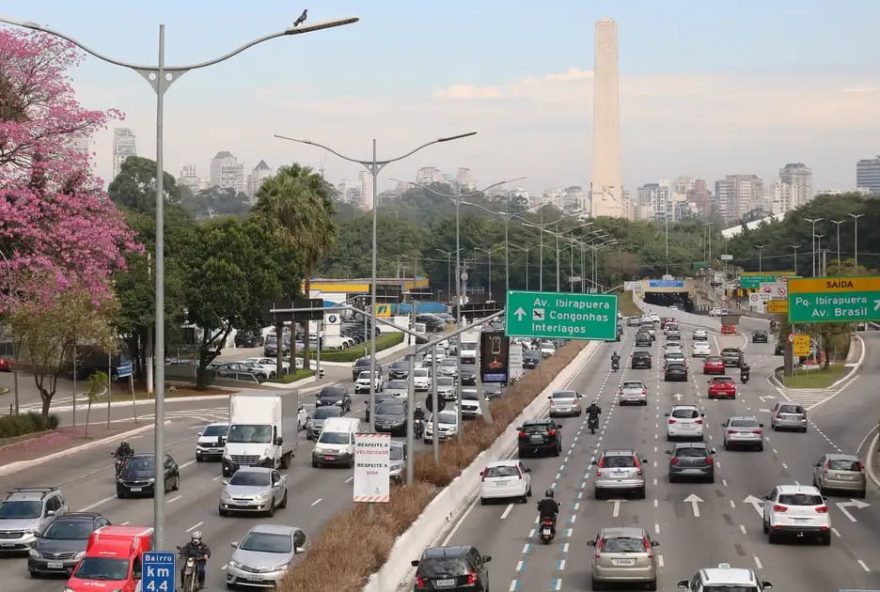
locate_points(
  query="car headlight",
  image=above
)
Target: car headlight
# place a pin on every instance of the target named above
(79, 555)
(68, 589)
(262, 496)
(151, 480)
(281, 567)
(34, 553)
(225, 496)
(232, 563)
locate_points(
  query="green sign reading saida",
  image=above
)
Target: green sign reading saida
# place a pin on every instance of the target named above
(561, 315)
(834, 300)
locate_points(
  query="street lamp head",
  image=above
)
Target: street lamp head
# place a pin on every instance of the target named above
(458, 137)
(299, 30)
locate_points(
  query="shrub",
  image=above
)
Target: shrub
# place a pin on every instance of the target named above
(365, 544)
(384, 341)
(26, 423)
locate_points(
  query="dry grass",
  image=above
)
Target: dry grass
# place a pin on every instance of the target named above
(365, 544)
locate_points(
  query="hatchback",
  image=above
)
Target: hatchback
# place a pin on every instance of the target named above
(785, 416)
(421, 379)
(335, 394)
(61, 545)
(633, 391)
(137, 477)
(565, 403)
(673, 335)
(673, 356)
(725, 577)
(540, 435)
(624, 555)
(700, 335)
(728, 329)
(759, 336)
(840, 472)
(713, 365)
(701, 349)
(505, 479)
(722, 386)
(797, 510)
(643, 339)
(684, 421)
(619, 470)
(641, 359)
(691, 460)
(253, 489)
(447, 426)
(459, 568)
(675, 371)
(672, 346)
(743, 431)
(362, 384)
(732, 356)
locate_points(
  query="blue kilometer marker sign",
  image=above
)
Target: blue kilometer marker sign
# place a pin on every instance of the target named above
(561, 315)
(159, 572)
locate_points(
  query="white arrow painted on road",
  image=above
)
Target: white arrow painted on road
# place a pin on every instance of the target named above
(519, 313)
(615, 512)
(677, 396)
(853, 503)
(694, 501)
(757, 503)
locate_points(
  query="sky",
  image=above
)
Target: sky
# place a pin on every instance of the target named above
(707, 88)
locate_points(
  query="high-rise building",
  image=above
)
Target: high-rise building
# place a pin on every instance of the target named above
(124, 145)
(227, 172)
(606, 192)
(464, 178)
(190, 179)
(800, 181)
(868, 175)
(574, 199)
(366, 187)
(260, 173)
(700, 198)
(737, 195)
(428, 175)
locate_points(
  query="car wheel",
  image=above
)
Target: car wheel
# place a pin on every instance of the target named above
(760, 447)
(283, 503)
(640, 493)
(596, 584)
(176, 485)
(672, 479)
(766, 527)
(529, 492)
(524, 499)
(804, 430)
(825, 539)
(271, 511)
(711, 478)
(33, 574)
(314, 463)
(483, 501)
(772, 537)
(599, 494)
(652, 585)
(726, 446)
(222, 512)
(198, 458)
(861, 494)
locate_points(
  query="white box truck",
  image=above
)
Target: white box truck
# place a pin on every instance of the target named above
(259, 434)
(469, 343)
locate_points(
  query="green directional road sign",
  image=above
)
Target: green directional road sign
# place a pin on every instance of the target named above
(834, 300)
(562, 315)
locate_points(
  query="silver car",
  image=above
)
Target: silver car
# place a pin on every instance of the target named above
(565, 403)
(619, 470)
(263, 556)
(253, 489)
(633, 392)
(840, 472)
(743, 431)
(397, 387)
(26, 511)
(397, 463)
(448, 367)
(445, 387)
(315, 422)
(624, 555)
(786, 416)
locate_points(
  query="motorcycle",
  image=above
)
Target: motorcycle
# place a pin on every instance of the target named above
(418, 428)
(120, 461)
(615, 365)
(190, 581)
(547, 530)
(744, 376)
(593, 423)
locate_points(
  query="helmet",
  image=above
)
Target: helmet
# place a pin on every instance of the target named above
(549, 493)
(124, 443)
(197, 537)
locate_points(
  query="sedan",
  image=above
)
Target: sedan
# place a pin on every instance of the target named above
(448, 367)
(743, 431)
(391, 417)
(263, 556)
(641, 359)
(841, 473)
(61, 545)
(692, 460)
(732, 356)
(624, 555)
(565, 403)
(315, 422)
(335, 394)
(253, 489)
(722, 386)
(701, 349)
(505, 479)
(675, 371)
(700, 335)
(138, 476)
(398, 370)
(397, 388)
(787, 416)
(672, 346)
(270, 365)
(633, 391)
(713, 365)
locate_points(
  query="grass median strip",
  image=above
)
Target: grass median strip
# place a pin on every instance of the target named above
(815, 379)
(384, 341)
(365, 544)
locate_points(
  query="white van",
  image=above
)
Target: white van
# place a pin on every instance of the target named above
(335, 445)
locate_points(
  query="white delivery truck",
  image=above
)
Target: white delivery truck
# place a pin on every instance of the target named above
(259, 433)
(470, 341)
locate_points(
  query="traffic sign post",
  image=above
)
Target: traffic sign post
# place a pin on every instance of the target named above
(777, 306)
(560, 315)
(158, 571)
(834, 300)
(801, 344)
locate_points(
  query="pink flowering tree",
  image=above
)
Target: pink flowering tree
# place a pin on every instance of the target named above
(57, 226)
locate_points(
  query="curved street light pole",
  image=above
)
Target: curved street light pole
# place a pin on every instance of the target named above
(855, 218)
(160, 77)
(813, 221)
(760, 251)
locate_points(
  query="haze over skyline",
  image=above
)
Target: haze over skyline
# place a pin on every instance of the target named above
(706, 89)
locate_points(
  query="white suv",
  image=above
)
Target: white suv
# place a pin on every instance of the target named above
(798, 510)
(363, 382)
(684, 421)
(505, 479)
(24, 512)
(725, 577)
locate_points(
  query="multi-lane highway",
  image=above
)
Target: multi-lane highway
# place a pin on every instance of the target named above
(699, 525)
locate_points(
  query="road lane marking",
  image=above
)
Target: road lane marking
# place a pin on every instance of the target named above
(565, 548)
(224, 566)
(531, 533)
(656, 502)
(724, 482)
(194, 526)
(525, 549)
(174, 499)
(732, 504)
(835, 531)
(519, 565)
(126, 523)
(656, 528)
(350, 479)
(615, 512)
(217, 478)
(758, 562)
(97, 503)
(186, 464)
(505, 513)
(460, 520)
(317, 501)
(785, 466)
(742, 529)
(557, 584)
(561, 565)
(864, 567)
(513, 584)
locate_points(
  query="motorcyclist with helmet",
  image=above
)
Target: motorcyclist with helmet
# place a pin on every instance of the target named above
(548, 508)
(615, 361)
(200, 552)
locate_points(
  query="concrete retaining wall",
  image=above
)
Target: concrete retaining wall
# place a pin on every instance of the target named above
(444, 510)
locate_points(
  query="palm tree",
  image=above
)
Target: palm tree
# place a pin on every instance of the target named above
(296, 202)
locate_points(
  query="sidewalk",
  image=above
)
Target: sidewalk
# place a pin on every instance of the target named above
(48, 443)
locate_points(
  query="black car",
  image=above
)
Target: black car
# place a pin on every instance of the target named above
(381, 399)
(759, 336)
(335, 394)
(643, 339)
(454, 569)
(361, 365)
(398, 369)
(779, 350)
(270, 346)
(691, 460)
(249, 338)
(391, 417)
(531, 359)
(469, 375)
(539, 435)
(641, 359)
(137, 476)
(57, 546)
(675, 371)
(732, 356)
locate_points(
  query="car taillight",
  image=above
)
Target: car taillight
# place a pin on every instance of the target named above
(731, 432)
(472, 578)
(644, 391)
(759, 432)
(647, 545)
(673, 460)
(670, 420)
(551, 432)
(420, 581)
(822, 509)
(601, 464)
(638, 465)
(523, 435)
(600, 546)
(710, 460)
(861, 466)
(698, 421)
(778, 508)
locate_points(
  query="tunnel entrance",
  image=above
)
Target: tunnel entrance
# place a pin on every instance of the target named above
(681, 299)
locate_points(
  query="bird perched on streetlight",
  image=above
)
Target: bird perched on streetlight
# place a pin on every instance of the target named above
(302, 18)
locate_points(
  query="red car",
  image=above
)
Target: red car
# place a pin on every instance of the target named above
(5, 364)
(713, 365)
(722, 386)
(728, 329)
(665, 321)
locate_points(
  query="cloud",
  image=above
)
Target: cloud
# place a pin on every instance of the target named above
(860, 89)
(570, 74)
(468, 92)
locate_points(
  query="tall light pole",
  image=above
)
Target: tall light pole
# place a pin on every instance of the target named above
(160, 77)
(448, 271)
(795, 248)
(855, 218)
(818, 238)
(374, 166)
(813, 221)
(760, 250)
(838, 223)
(526, 249)
(489, 254)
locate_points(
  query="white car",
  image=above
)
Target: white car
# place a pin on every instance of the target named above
(565, 403)
(428, 359)
(548, 348)
(363, 382)
(725, 577)
(655, 318)
(470, 404)
(715, 312)
(505, 479)
(447, 425)
(798, 510)
(421, 379)
(700, 335)
(684, 421)
(701, 349)
(672, 346)
(633, 391)
(446, 387)
(673, 356)
(211, 441)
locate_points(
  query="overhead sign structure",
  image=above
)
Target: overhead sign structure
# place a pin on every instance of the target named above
(753, 281)
(562, 315)
(777, 306)
(158, 571)
(800, 345)
(372, 457)
(834, 300)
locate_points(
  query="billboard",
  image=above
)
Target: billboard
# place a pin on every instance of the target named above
(494, 356)
(372, 459)
(666, 283)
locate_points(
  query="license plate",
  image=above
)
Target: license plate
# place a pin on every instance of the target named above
(447, 583)
(623, 562)
(7, 544)
(500, 484)
(329, 458)
(137, 489)
(54, 565)
(846, 477)
(537, 438)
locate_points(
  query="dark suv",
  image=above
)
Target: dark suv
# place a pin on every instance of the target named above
(335, 394)
(675, 371)
(459, 568)
(643, 339)
(759, 336)
(732, 356)
(57, 547)
(641, 359)
(539, 435)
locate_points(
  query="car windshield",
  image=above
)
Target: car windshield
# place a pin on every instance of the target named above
(685, 413)
(791, 409)
(139, 464)
(250, 478)
(335, 438)
(501, 471)
(623, 545)
(619, 461)
(722, 380)
(713, 360)
(249, 434)
(447, 417)
(436, 567)
(641, 354)
(216, 430)
(445, 381)
(800, 499)
(563, 395)
(690, 452)
(421, 372)
(20, 509)
(337, 393)
(325, 412)
(396, 453)
(68, 530)
(633, 385)
(469, 395)
(266, 543)
(727, 351)
(449, 362)
(842, 464)
(102, 568)
(729, 588)
(743, 423)
(391, 410)
(536, 428)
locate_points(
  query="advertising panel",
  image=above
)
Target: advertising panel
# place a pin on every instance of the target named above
(494, 356)
(372, 457)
